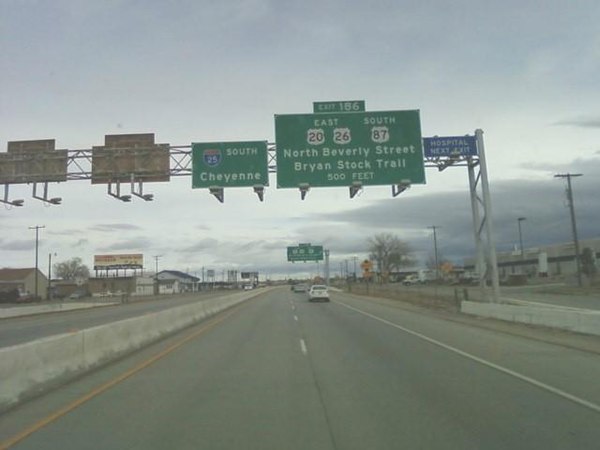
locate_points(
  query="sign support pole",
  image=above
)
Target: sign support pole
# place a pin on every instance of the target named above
(326, 267)
(480, 266)
(489, 229)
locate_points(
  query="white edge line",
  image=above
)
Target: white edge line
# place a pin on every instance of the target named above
(525, 378)
(303, 346)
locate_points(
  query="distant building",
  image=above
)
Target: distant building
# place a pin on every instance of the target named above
(176, 282)
(24, 281)
(555, 260)
(144, 286)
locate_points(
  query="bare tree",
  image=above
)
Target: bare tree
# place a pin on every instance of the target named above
(390, 253)
(71, 269)
(442, 260)
(588, 263)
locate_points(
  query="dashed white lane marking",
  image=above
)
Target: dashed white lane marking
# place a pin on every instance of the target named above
(525, 378)
(303, 347)
(296, 318)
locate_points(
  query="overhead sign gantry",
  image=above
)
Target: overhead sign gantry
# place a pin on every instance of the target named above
(340, 144)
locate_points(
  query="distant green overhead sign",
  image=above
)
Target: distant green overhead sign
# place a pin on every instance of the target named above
(229, 164)
(305, 252)
(339, 149)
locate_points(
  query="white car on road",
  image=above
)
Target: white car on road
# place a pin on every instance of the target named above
(318, 292)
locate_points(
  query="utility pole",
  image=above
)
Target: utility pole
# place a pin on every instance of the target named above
(519, 220)
(568, 176)
(435, 251)
(37, 240)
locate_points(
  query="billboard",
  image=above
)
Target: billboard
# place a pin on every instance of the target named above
(123, 261)
(34, 161)
(124, 155)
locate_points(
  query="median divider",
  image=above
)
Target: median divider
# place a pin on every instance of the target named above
(18, 311)
(581, 321)
(31, 368)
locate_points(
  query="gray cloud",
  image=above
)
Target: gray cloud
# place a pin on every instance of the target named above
(542, 202)
(65, 232)
(81, 243)
(110, 227)
(136, 244)
(589, 167)
(202, 245)
(581, 122)
(19, 245)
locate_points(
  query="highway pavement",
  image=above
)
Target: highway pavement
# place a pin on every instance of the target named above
(278, 372)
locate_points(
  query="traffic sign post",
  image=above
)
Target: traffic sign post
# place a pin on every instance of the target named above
(349, 149)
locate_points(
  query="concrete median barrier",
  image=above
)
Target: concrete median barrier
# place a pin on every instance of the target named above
(580, 321)
(28, 369)
(19, 311)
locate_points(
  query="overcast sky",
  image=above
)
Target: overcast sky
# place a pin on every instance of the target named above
(525, 72)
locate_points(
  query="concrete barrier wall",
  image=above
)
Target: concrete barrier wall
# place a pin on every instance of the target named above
(583, 321)
(18, 311)
(27, 369)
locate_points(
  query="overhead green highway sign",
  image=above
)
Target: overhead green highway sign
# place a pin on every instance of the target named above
(343, 149)
(229, 164)
(305, 252)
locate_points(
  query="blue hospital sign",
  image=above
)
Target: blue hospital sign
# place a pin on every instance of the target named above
(434, 147)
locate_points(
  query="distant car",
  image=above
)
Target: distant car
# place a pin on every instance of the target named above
(248, 287)
(77, 295)
(411, 280)
(301, 287)
(318, 292)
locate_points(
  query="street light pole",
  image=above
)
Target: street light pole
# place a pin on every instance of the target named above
(50, 275)
(37, 240)
(568, 176)
(156, 258)
(435, 251)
